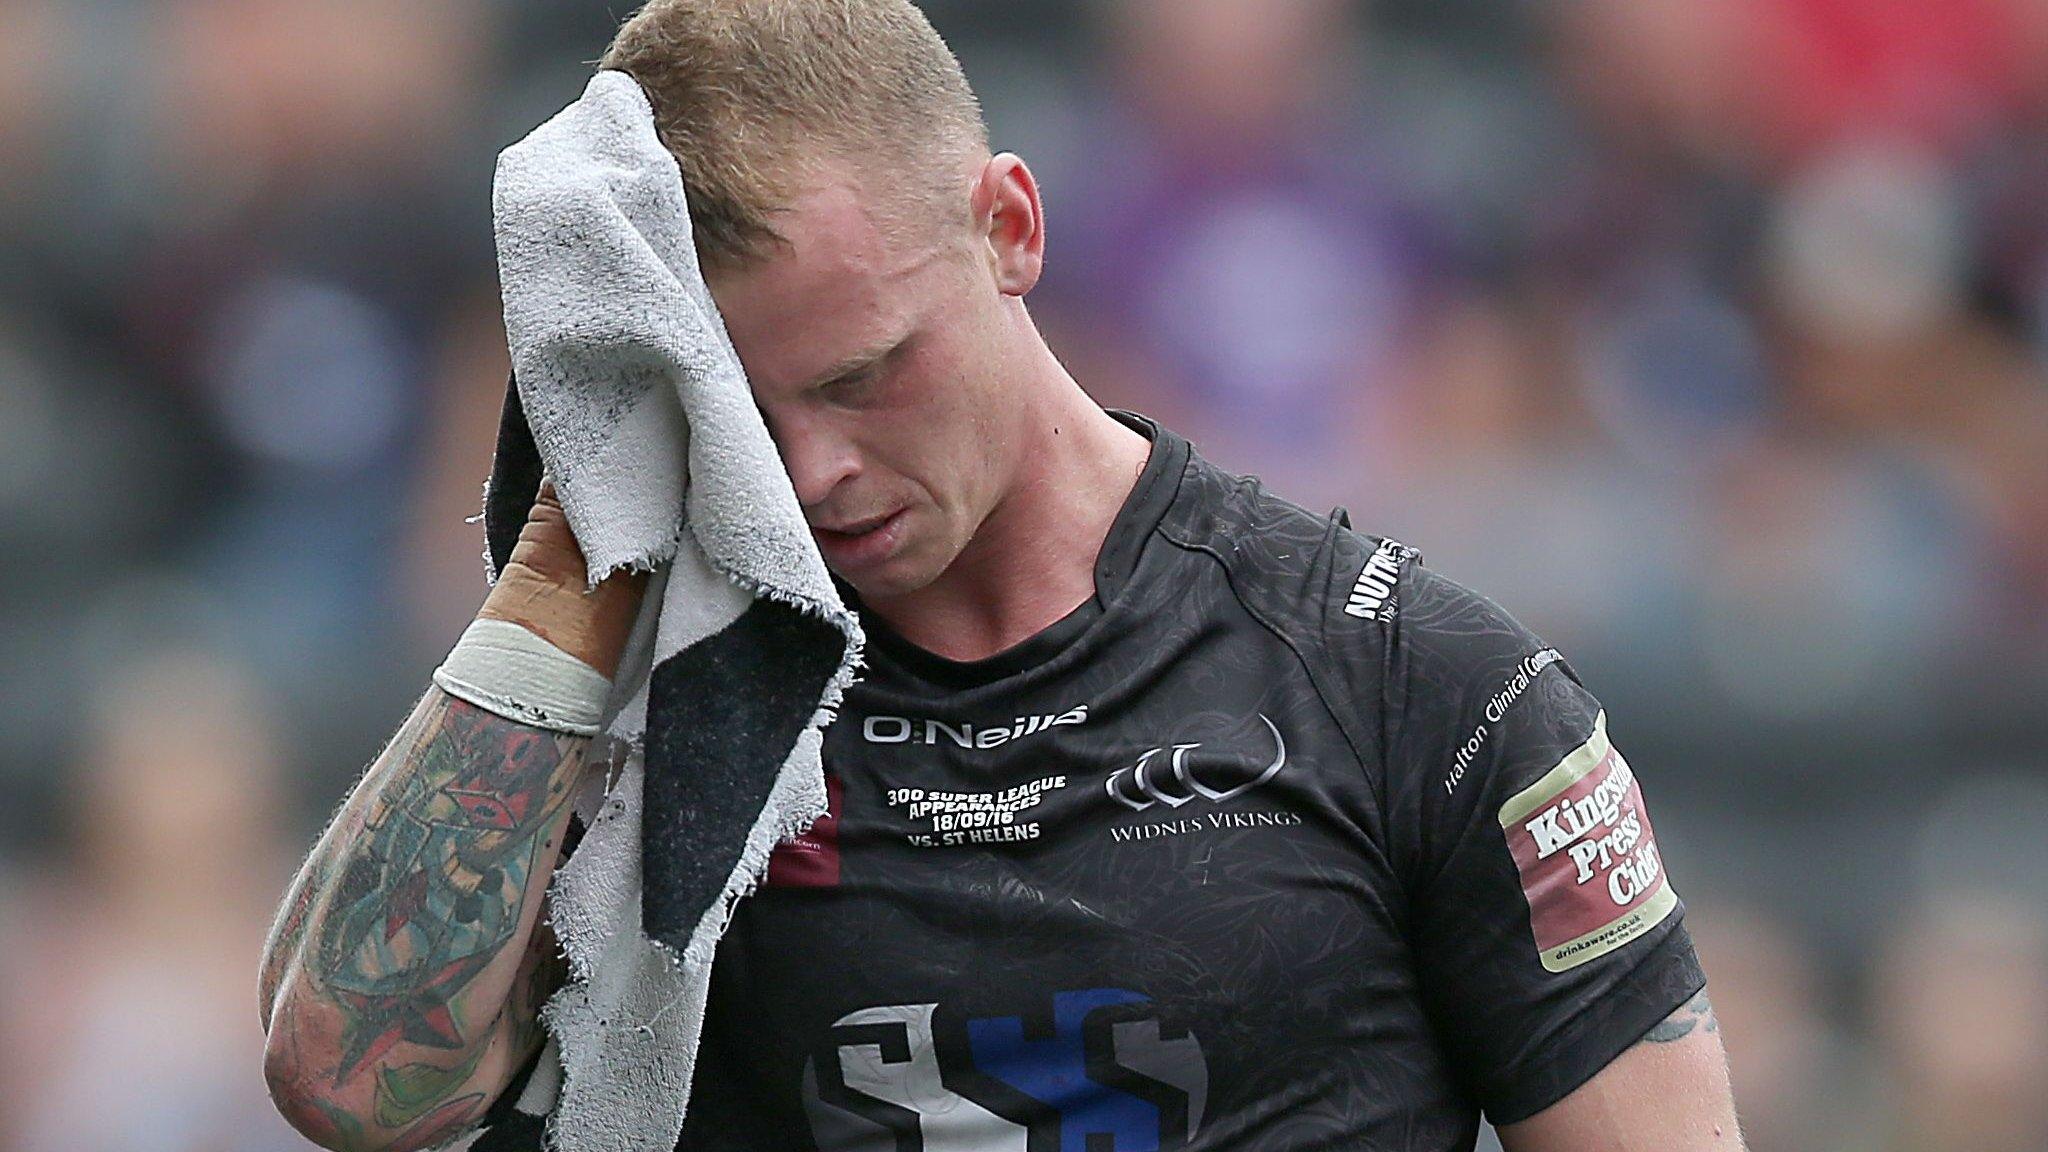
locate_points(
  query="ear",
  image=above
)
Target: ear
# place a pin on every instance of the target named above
(1011, 220)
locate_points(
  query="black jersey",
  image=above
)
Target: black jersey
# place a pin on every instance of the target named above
(1281, 843)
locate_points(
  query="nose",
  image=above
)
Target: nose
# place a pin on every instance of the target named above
(816, 456)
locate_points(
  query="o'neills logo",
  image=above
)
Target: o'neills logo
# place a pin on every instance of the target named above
(1588, 859)
(1372, 596)
(911, 730)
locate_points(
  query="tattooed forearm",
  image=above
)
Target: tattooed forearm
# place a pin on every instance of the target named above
(434, 888)
(396, 931)
(1696, 1015)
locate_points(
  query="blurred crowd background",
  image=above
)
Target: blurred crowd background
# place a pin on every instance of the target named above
(1710, 336)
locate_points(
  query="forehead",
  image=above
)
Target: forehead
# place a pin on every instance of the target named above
(841, 283)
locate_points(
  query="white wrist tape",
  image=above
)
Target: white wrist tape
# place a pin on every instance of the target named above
(504, 668)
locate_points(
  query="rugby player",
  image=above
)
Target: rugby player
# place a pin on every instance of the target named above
(1167, 815)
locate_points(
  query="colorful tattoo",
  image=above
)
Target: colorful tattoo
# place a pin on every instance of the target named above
(416, 890)
(408, 1092)
(434, 889)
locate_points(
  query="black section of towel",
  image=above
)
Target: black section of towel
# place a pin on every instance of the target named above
(722, 717)
(515, 481)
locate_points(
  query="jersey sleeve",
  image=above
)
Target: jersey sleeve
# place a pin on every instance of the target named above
(1546, 933)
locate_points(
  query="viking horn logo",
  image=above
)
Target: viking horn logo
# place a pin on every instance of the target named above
(1139, 786)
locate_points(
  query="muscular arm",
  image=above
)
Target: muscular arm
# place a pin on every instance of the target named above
(1668, 1093)
(402, 983)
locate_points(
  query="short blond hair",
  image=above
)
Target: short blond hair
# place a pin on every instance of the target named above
(748, 93)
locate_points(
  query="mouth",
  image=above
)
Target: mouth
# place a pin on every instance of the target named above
(853, 529)
(856, 544)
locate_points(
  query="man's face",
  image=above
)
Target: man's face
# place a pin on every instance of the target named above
(875, 360)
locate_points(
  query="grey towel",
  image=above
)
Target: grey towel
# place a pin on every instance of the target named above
(628, 392)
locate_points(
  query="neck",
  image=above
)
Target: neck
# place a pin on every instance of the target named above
(1032, 561)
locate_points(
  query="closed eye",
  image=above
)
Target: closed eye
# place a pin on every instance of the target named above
(860, 385)
(852, 388)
